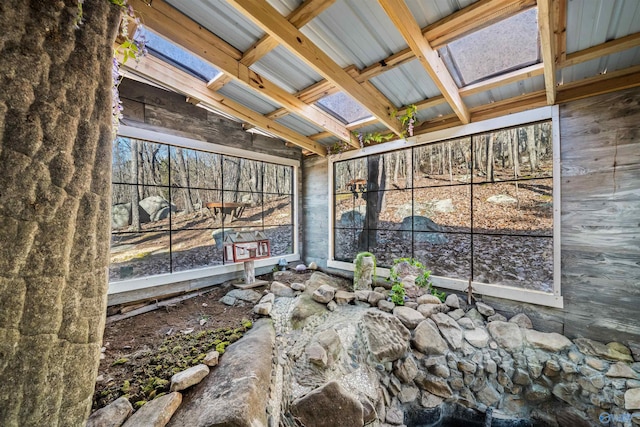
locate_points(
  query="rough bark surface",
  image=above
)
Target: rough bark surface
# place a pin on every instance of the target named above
(55, 157)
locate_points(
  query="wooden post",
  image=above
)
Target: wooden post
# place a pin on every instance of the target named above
(249, 273)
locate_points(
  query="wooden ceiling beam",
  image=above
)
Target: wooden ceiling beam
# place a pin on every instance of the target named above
(598, 85)
(180, 29)
(473, 18)
(266, 17)
(560, 28)
(218, 81)
(511, 77)
(298, 18)
(177, 80)
(406, 24)
(603, 49)
(548, 48)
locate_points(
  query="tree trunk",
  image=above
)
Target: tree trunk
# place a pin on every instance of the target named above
(55, 152)
(490, 157)
(376, 182)
(184, 180)
(532, 149)
(135, 196)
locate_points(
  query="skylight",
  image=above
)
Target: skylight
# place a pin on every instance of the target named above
(175, 55)
(343, 108)
(501, 47)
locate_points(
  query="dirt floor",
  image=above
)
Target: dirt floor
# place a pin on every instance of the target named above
(142, 352)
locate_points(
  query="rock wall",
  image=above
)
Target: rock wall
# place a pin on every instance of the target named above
(415, 362)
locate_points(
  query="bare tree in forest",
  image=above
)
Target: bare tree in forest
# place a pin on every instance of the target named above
(531, 149)
(135, 196)
(489, 139)
(376, 181)
(183, 179)
(56, 119)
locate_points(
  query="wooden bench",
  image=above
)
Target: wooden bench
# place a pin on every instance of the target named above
(218, 209)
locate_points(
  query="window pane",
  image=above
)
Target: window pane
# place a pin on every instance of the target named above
(350, 210)
(242, 174)
(388, 245)
(395, 208)
(192, 249)
(278, 179)
(448, 207)
(280, 239)
(151, 162)
(350, 176)
(524, 152)
(445, 254)
(521, 207)
(138, 254)
(346, 244)
(522, 262)
(278, 210)
(153, 209)
(343, 108)
(443, 163)
(194, 214)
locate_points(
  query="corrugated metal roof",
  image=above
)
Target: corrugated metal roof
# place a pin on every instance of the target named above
(602, 65)
(505, 92)
(300, 125)
(222, 20)
(286, 70)
(428, 12)
(406, 84)
(248, 98)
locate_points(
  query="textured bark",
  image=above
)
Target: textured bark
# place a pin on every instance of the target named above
(55, 157)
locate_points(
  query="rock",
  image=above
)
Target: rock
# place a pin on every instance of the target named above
(426, 338)
(226, 398)
(522, 320)
(281, 290)
(269, 297)
(330, 341)
(385, 305)
(477, 337)
(449, 329)
(330, 405)
(374, 297)
(596, 363)
(298, 286)
(112, 415)
(621, 370)
(228, 300)
(498, 317)
(406, 370)
(547, 341)
(313, 266)
(488, 395)
(156, 413)
(501, 199)
(456, 314)
(466, 323)
(635, 350)
(433, 384)
(394, 416)
(316, 354)
(595, 348)
(506, 334)
(318, 279)
(287, 276)
(344, 297)
(632, 399)
(428, 310)
(551, 368)
(475, 315)
(466, 366)
(484, 309)
(537, 393)
(362, 295)
(386, 337)
(247, 295)
(331, 305)
(263, 309)
(212, 358)
(429, 400)
(422, 223)
(429, 299)
(572, 417)
(301, 268)
(188, 377)
(408, 394)
(324, 294)
(408, 316)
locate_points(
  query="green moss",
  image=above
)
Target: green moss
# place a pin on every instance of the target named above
(176, 349)
(139, 404)
(120, 361)
(222, 346)
(247, 323)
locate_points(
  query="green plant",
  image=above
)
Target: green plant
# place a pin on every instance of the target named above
(357, 272)
(397, 294)
(422, 280)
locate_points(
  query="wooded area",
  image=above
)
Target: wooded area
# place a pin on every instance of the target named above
(480, 206)
(186, 199)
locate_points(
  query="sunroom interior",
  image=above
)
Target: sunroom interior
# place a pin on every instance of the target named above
(495, 141)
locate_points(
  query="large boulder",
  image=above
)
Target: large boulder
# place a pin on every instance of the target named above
(427, 339)
(156, 413)
(408, 316)
(112, 415)
(236, 393)
(386, 337)
(328, 406)
(449, 328)
(507, 335)
(431, 232)
(157, 207)
(547, 341)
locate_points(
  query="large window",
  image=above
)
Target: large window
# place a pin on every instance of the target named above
(187, 202)
(478, 208)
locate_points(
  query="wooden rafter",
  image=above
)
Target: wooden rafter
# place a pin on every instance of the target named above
(219, 81)
(298, 18)
(598, 85)
(171, 23)
(548, 48)
(472, 18)
(513, 76)
(406, 24)
(267, 18)
(177, 80)
(560, 28)
(607, 48)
